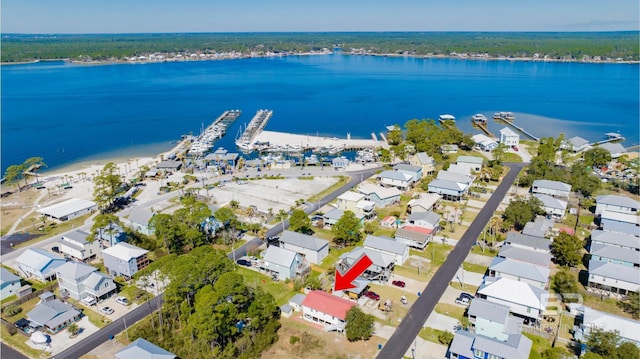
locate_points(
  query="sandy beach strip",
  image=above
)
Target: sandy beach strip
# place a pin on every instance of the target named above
(307, 141)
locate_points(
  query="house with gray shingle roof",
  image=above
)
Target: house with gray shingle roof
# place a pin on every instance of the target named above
(9, 284)
(414, 171)
(540, 227)
(615, 255)
(619, 204)
(621, 240)
(39, 264)
(313, 249)
(551, 188)
(536, 244)
(53, 315)
(143, 349)
(456, 177)
(425, 203)
(425, 161)
(79, 280)
(430, 220)
(398, 179)
(620, 222)
(525, 255)
(380, 269)
(382, 196)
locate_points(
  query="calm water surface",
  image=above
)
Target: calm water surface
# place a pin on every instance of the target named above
(68, 113)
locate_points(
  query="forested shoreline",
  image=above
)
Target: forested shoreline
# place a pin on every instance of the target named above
(578, 46)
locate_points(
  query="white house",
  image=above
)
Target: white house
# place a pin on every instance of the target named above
(553, 207)
(520, 271)
(69, 209)
(143, 349)
(425, 203)
(551, 188)
(125, 259)
(540, 227)
(416, 237)
(576, 144)
(79, 280)
(75, 244)
(614, 203)
(425, 161)
(414, 171)
(532, 243)
(456, 177)
(523, 299)
(356, 203)
(449, 190)
(398, 179)
(613, 278)
(313, 249)
(508, 137)
(53, 315)
(485, 143)
(9, 284)
(326, 309)
(430, 220)
(474, 163)
(628, 329)
(624, 241)
(620, 222)
(388, 246)
(615, 149)
(380, 269)
(283, 263)
(39, 264)
(381, 196)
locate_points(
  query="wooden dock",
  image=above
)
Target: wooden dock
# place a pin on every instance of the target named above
(483, 128)
(611, 137)
(518, 128)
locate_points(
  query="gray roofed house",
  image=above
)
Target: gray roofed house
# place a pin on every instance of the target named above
(524, 241)
(283, 263)
(621, 222)
(553, 207)
(449, 190)
(398, 179)
(473, 163)
(426, 202)
(143, 349)
(79, 280)
(413, 238)
(540, 227)
(576, 144)
(613, 278)
(615, 149)
(521, 271)
(169, 165)
(615, 239)
(69, 209)
(429, 219)
(75, 244)
(525, 255)
(313, 249)
(382, 196)
(379, 270)
(139, 220)
(552, 188)
(524, 300)
(296, 301)
(385, 245)
(423, 160)
(508, 137)
(614, 203)
(331, 217)
(614, 254)
(628, 329)
(39, 263)
(414, 171)
(9, 284)
(53, 315)
(456, 177)
(466, 344)
(125, 259)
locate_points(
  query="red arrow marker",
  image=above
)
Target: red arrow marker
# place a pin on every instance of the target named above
(344, 281)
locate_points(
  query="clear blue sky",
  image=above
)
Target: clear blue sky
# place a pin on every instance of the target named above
(124, 16)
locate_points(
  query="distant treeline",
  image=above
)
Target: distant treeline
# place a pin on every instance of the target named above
(612, 45)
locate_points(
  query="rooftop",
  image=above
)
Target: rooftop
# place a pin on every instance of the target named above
(615, 271)
(506, 131)
(7, 277)
(627, 328)
(513, 291)
(328, 303)
(519, 269)
(614, 200)
(555, 185)
(525, 255)
(453, 176)
(125, 251)
(143, 349)
(470, 159)
(37, 258)
(385, 244)
(406, 168)
(617, 239)
(78, 236)
(551, 202)
(303, 240)
(279, 256)
(381, 192)
(67, 207)
(351, 196)
(615, 252)
(528, 241)
(75, 270)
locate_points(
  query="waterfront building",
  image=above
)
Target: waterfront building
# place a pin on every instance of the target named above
(508, 137)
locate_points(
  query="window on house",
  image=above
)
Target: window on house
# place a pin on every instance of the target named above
(478, 353)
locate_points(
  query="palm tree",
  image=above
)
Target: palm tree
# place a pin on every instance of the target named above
(234, 205)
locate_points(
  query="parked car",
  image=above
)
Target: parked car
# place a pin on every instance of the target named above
(464, 299)
(55, 249)
(244, 262)
(398, 283)
(371, 295)
(88, 300)
(106, 310)
(122, 300)
(515, 148)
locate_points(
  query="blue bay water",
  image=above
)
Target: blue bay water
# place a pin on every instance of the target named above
(67, 113)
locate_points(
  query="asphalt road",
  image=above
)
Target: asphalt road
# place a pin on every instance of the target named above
(104, 334)
(403, 337)
(10, 353)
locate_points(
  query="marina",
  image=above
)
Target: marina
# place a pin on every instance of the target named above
(203, 143)
(246, 140)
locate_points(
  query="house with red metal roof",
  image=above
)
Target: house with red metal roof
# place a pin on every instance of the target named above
(326, 309)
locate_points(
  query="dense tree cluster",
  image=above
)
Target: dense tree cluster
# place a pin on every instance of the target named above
(521, 210)
(183, 230)
(209, 311)
(346, 231)
(15, 173)
(567, 249)
(114, 46)
(607, 344)
(107, 185)
(300, 222)
(359, 326)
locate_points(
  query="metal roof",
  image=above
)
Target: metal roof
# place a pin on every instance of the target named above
(407, 168)
(429, 217)
(578, 141)
(528, 241)
(140, 216)
(617, 239)
(297, 299)
(627, 328)
(38, 259)
(381, 192)
(448, 185)
(351, 196)
(506, 131)
(327, 303)
(125, 251)
(7, 277)
(615, 271)
(525, 255)
(482, 308)
(78, 236)
(470, 159)
(143, 349)
(551, 202)
(280, 256)
(615, 200)
(620, 217)
(52, 313)
(94, 279)
(74, 270)
(512, 291)
(519, 269)
(385, 244)
(424, 158)
(614, 252)
(303, 240)
(426, 201)
(538, 228)
(394, 175)
(67, 207)
(554, 185)
(453, 176)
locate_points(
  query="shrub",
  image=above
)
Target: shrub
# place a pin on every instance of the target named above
(445, 338)
(293, 339)
(12, 310)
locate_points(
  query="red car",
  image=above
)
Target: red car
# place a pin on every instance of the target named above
(398, 283)
(515, 148)
(371, 295)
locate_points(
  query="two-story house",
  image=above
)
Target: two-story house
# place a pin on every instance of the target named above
(537, 276)
(398, 179)
(414, 171)
(614, 203)
(79, 280)
(9, 284)
(473, 163)
(551, 188)
(356, 203)
(313, 249)
(125, 259)
(554, 208)
(381, 196)
(423, 160)
(389, 246)
(76, 245)
(532, 243)
(620, 222)
(523, 299)
(326, 309)
(508, 137)
(425, 203)
(39, 264)
(283, 263)
(139, 220)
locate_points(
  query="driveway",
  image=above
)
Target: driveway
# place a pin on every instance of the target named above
(441, 322)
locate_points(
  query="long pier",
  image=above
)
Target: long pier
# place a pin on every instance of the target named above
(518, 128)
(207, 138)
(611, 137)
(256, 125)
(483, 128)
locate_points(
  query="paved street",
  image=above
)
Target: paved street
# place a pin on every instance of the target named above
(402, 339)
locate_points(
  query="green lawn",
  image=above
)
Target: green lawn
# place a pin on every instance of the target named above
(18, 342)
(412, 272)
(430, 334)
(450, 310)
(475, 268)
(487, 251)
(341, 181)
(332, 258)
(511, 157)
(281, 291)
(540, 344)
(435, 252)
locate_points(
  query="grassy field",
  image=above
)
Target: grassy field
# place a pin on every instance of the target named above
(540, 344)
(281, 291)
(341, 181)
(450, 310)
(18, 342)
(430, 334)
(475, 268)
